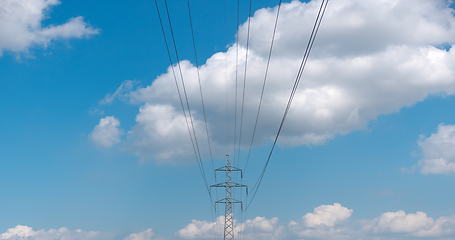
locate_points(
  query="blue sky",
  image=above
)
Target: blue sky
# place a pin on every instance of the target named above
(54, 174)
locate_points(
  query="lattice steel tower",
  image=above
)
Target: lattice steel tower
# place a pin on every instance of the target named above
(229, 201)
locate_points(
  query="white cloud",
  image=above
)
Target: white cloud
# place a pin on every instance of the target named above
(387, 226)
(401, 222)
(107, 132)
(438, 151)
(19, 231)
(323, 223)
(366, 26)
(161, 129)
(327, 215)
(147, 234)
(122, 92)
(331, 222)
(202, 229)
(259, 228)
(416, 224)
(21, 25)
(382, 57)
(27, 233)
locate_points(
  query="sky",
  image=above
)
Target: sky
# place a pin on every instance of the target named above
(94, 143)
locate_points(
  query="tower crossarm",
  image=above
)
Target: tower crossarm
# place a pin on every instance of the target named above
(229, 185)
(227, 200)
(230, 169)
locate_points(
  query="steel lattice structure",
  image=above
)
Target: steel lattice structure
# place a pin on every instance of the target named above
(229, 185)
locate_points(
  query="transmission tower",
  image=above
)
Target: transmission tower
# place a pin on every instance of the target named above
(228, 201)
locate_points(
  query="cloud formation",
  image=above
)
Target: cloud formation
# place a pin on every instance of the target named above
(334, 222)
(122, 92)
(201, 229)
(325, 222)
(327, 215)
(415, 224)
(107, 132)
(21, 25)
(162, 129)
(438, 151)
(331, 222)
(147, 234)
(257, 228)
(383, 56)
(21, 232)
(261, 228)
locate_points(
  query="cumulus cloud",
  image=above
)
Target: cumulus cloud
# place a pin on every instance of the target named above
(202, 229)
(257, 228)
(383, 56)
(163, 130)
(416, 224)
(331, 222)
(261, 228)
(340, 226)
(438, 151)
(402, 222)
(325, 227)
(17, 232)
(27, 233)
(327, 215)
(323, 223)
(107, 132)
(21, 25)
(147, 234)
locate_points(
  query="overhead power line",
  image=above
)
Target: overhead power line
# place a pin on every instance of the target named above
(190, 127)
(200, 85)
(236, 79)
(244, 77)
(263, 86)
(309, 46)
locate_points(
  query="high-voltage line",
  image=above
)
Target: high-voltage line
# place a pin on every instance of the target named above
(182, 79)
(303, 63)
(244, 76)
(263, 86)
(236, 78)
(200, 85)
(229, 185)
(189, 127)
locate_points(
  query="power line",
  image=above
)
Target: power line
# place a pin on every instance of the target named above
(202, 98)
(309, 46)
(194, 144)
(242, 215)
(183, 85)
(244, 78)
(181, 77)
(263, 86)
(236, 78)
(200, 85)
(175, 77)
